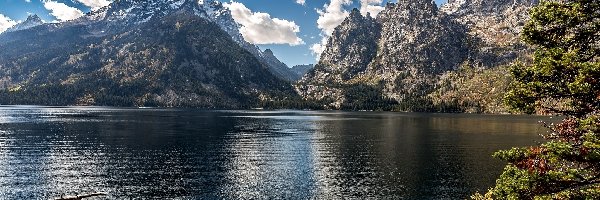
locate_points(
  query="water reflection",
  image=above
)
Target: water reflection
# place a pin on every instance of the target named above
(264, 150)
(192, 154)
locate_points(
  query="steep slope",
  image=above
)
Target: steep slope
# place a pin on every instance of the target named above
(392, 58)
(159, 53)
(32, 21)
(277, 67)
(301, 70)
(349, 50)
(493, 28)
(417, 44)
(125, 13)
(352, 47)
(222, 16)
(410, 55)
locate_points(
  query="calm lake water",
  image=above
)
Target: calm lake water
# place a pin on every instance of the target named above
(193, 154)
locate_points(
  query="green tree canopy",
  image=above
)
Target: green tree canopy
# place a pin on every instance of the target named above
(565, 68)
(564, 78)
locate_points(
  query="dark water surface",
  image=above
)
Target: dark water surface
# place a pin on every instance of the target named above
(192, 154)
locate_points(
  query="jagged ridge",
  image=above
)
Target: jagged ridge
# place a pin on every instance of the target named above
(135, 53)
(32, 21)
(415, 44)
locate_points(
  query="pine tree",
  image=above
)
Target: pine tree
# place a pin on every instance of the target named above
(564, 78)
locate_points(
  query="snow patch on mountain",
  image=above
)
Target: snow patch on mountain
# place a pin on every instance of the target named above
(32, 21)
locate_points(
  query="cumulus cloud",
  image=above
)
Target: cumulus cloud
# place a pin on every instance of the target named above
(301, 2)
(331, 16)
(6, 23)
(61, 11)
(318, 48)
(371, 7)
(94, 4)
(260, 28)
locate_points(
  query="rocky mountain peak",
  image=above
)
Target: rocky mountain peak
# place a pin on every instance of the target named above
(349, 50)
(140, 11)
(352, 45)
(395, 55)
(32, 21)
(268, 52)
(143, 10)
(123, 15)
(410, 9)
(212, 3)
(414, 27)
(34, 18)
(483, 7)
(493, 26)
(138, 52)
(354, 14)
(355, 19)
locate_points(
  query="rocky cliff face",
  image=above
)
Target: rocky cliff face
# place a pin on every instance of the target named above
(402, 54)
(493, 28)
(483, 7)
(135, 53)
(351, 48)
(349, 51)
(417, 43)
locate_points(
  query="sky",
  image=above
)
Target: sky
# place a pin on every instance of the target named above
(295, 30)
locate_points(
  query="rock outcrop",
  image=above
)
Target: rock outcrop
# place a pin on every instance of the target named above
(402, 54)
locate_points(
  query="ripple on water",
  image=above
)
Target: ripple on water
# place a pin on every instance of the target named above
(46, 152)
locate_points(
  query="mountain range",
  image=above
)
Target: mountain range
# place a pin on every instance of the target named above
(174, 53)
(413, 56)
(30, 22)
(401, 58)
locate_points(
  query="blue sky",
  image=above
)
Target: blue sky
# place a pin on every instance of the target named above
(303, 16)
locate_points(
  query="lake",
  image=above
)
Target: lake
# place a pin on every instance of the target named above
(46, 152)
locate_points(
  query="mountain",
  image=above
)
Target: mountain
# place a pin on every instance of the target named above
(125, 13)
(398, 60)
(277, 67)
(32, 21)
(222, 16)
(493, 28)
(174, 53)
(350, 49)
(390, 58)
(301, 70)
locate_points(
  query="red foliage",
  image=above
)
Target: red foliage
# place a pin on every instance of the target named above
(534, 162)
(568, 130)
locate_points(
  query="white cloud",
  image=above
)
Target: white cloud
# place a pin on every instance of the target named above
(260, 28)
(301, 2)
(28, 1)
(61, 11)
(6, 23)
(94, 4)
(371, 7)
(318, 48)
(329, 18)
(333, 15)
